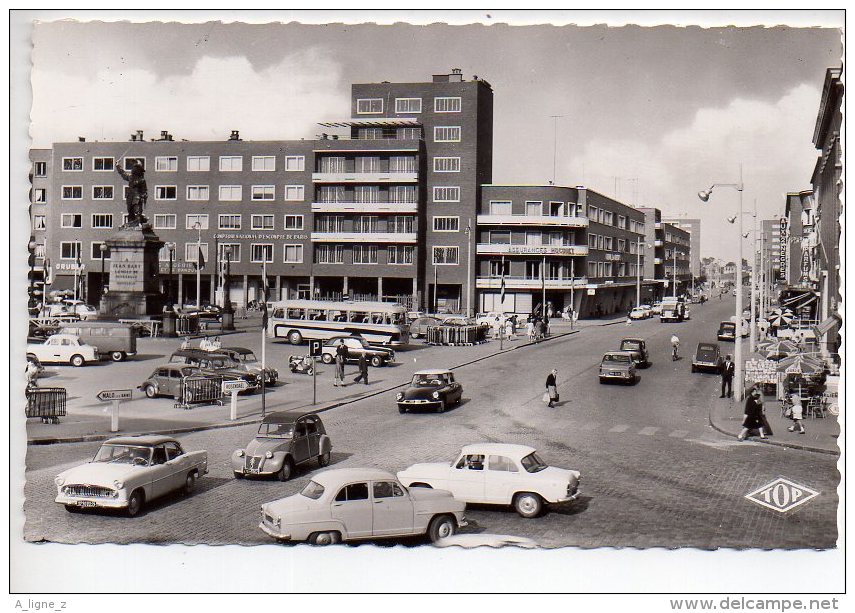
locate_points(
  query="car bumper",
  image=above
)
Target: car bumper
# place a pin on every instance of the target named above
(102, 503)
(620, 377)
(271, 532)
(570, 498)
(412, 404)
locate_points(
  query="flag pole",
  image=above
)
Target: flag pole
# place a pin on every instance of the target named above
(263, 335)
(502, 306)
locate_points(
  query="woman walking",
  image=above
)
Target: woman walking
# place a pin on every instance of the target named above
(753, 419)
(552, 388)
(340, 357)
(796, 413)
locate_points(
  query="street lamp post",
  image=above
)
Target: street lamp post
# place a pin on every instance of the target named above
(103, 248)
(754, 280)
(739, 366)
(198, 227)
(468, 267)
(171, 248)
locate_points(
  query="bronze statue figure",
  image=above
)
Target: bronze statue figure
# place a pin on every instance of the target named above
(137, 193)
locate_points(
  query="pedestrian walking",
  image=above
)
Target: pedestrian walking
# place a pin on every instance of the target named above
(628, 320)
(754, 418)
(551, 395)
(728, 368)
(340, 357)
(529, 330)
(509, 328)
(796, 413)
(363, 369)
(32, 372)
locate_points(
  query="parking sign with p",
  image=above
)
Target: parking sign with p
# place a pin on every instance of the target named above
(315, 349)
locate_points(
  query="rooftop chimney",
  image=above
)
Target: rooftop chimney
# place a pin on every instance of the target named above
(456, 76)
(81, 139)
(139, 135)
(235, 135)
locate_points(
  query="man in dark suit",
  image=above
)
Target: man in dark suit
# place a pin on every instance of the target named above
(728, 368)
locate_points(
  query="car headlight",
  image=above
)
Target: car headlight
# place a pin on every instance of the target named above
(59, 480)
(435, 395)
(268, 455)
(240, 453)
(118, 484)
(399, 396)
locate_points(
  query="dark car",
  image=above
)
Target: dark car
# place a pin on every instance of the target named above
(727, 331)
(284, 439)
(707, 357)
(245, 356)
(638, 348)
(213, 363)
(419, 326)
(356, 346)
(168, 380)
(430, 389)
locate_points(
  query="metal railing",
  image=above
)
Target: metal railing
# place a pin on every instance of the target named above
(456, 335)
(200, 390)
(48, 403)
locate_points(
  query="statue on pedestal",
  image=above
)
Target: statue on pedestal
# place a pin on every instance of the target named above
(137, 193)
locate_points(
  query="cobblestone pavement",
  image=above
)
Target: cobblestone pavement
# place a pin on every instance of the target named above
(654, 473)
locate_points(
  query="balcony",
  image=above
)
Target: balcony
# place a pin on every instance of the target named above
(658, 225)
(529, 283)
(365, 177)
(658, 242)
(364, 237)
(504, 249)
(365, 207)
(533, 220)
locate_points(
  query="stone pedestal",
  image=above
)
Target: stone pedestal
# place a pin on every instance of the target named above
(134, 274)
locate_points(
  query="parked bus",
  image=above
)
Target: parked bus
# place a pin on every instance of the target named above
(377, 322)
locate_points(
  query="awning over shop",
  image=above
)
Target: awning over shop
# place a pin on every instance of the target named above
(827, 325)
(376, 122)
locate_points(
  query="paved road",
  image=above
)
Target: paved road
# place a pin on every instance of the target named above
(654, 472)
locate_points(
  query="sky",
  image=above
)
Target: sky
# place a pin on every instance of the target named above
(649, 115)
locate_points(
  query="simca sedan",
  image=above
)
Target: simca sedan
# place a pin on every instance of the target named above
(168, 380)
(707, 357)
(128, 472)
(430, 389)
(497, 473)
(64, 349)
(356, 346)
(247, 358)
(618, 366)
(360, 503)
(638, 348)
(284, 440)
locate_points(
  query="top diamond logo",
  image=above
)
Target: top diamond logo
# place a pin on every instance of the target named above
(781, 495)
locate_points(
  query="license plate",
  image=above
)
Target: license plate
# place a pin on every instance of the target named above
(250, 471)
(86, 503)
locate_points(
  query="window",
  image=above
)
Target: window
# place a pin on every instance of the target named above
(229, 222)
(354, 491)
(408, 133)
(500, 237)
(471, 462)
(408, 105)
(329, 223)
(387, 489)
(71, 220)
(231, 193)
(195, 218)
(500, 207)
(191, 251)
(163, 163)
(367, 163)
(446, 255)
(40, 169)
(621, 244)
(264, 163)
(234, 251)
(329, 254)
(39, 250)
(72, 192)
(592, 241)
(165, 192)
(102, 220)
(621, 222)
(400, 254)
(499, 268)
(198, 192)
(69, 250)
(607, 243)
(607, 269)
(95, 250)
(333, 164)
(262, 252)
(592, 269)
(231, 163)
(501, 463)
(402, 224)
(402, 163)
(263, 192)
(366, 106)
(446, 164)
(295, 163)
(128, 163)
(38, 222)
(365, 224)
(446, 224)
(446, 194)
(165, 221)
(402, 193)
(365, 254)
(445, 104)
(103, 164)
(198, 163)
(607, 218)
(40, 195)
(534, 208)
(366, 193)
(331, 193)
(293, 222)
(600, 242)
(295, 193)
(72, 164)
(446, 134)
(369, 133)
(262, 222)
(102, 192)
(292, 254)
(534, 238)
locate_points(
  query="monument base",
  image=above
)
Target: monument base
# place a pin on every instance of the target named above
(134, 274)
(130, 304)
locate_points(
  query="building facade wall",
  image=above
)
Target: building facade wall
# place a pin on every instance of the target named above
(693, 227)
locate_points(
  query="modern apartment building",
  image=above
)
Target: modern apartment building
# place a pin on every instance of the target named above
(668, 249)
(39, 207)
(693, 227)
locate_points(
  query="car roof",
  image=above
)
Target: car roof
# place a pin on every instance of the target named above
(284, 417)
(710, 345)
(74, 336)
(339, 476)
(144, 439)
(616, 352)
(506, 449)
(433, 371)
(199, 353)
(632, 338)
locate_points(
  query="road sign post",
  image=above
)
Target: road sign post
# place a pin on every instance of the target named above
(115, 397)
(315, 351)
(232, 388)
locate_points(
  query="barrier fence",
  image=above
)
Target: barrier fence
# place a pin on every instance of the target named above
(456, 335)
(185, 325)
(48, 403)
(200, 390)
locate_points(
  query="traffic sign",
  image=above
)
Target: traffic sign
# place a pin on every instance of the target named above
(234, 386)
(315, 348)
(108, 395)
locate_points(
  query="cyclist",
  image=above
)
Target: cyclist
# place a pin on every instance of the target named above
(675, 343)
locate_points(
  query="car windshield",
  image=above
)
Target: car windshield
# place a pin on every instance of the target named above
(276, 430)
(533, 464)
(313, 490)
(706, 348)
(248, 358)
(617, 358)
(123, 454)
(429, 380)
(630, 345)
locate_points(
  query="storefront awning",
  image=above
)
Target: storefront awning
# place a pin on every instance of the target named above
(827, 325)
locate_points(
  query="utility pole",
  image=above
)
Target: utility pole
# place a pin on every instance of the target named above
(468, 267)
(754, 271)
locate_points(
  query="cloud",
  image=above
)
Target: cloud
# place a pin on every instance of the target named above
(282, 101)
(772, 140)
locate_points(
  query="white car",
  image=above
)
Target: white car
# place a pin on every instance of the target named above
(492, 318)
(656, 309)
(498, 473)
(78, 307)
(64, 349)
(639, 313)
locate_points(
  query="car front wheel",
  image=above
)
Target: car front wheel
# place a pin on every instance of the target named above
(135, 503)
(376, 361)
(287, 469)
(528, 504)
(117, 356)
(295, 338)
(327, 358)
(441, 527)
(77, 360)
(150, 392)
(324, 459)
(441, 408)
(190, 484)
(324, 538)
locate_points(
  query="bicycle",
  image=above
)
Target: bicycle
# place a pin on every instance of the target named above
(674, 356)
